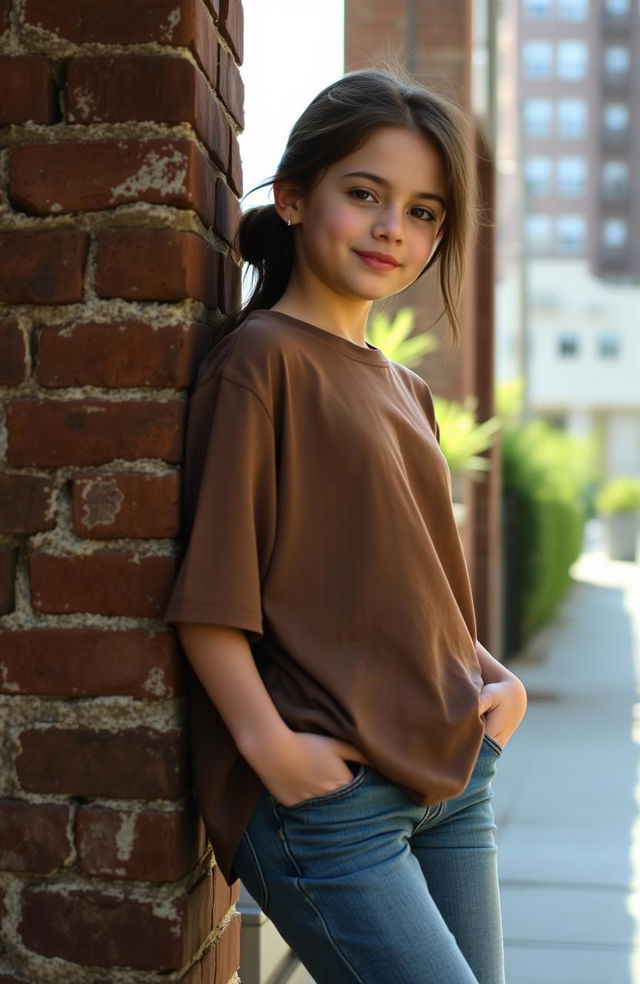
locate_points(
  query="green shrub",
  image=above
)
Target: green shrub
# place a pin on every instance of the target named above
(621, 494)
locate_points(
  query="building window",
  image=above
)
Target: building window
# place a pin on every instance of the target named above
(571, 176)
(537, 117)
(538, 233)
(608, 345)
(537, 59)
(614, 233)
(572, 118)
(615, 179)
(617, 60)
(615, 117)
(617, 8)
(539, 10)
(572, 60)
(537, 171)
(570, 234)
(573, 10)
(568, 346)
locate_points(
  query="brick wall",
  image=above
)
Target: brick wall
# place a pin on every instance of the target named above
(119, 184)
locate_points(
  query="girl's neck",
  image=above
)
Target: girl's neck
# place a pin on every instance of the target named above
(341, 316)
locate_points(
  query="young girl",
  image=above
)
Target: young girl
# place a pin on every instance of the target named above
(345, 721)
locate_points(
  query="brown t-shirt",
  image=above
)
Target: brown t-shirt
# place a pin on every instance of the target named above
(318, 518)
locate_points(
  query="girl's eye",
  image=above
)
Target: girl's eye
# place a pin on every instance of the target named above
(423, 213)
(361, 194)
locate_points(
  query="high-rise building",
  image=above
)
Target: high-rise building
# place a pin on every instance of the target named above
(579, 78)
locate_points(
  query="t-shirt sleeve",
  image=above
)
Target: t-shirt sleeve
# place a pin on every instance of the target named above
(229, 509)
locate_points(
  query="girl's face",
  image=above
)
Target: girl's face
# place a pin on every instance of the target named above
(368, 228)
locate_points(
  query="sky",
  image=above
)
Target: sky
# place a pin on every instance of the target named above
(291, 52)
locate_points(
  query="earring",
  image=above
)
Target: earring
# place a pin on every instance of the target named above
(289, 221)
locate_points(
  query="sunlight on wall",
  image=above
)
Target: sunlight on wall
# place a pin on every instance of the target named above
(293, 49)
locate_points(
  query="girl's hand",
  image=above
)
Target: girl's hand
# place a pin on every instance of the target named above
(503, 704)
(303, 765)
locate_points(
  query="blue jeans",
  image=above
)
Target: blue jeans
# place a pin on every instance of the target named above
(367, 887)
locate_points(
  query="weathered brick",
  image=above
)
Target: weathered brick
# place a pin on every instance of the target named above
(126, 504)
(91, 663)
(104, 583)
(232, 26)
(25, 502)
(231, 282)
(147, 846)
(222, 897)
(227, 212)
(27, 90)
(146, 87)
(234, 174)
(8, 558)
(50, 178)
(42, 267)
(122, 22)
(133, 763)
(124, 353)
(231, 86)
(96, 929)
(91, 432)
(156, 264)
(14, 357)
(226, 953)
(33, 836)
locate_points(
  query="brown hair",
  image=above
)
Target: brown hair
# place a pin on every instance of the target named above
(336, 123)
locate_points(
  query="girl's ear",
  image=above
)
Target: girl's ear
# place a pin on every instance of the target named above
(287, 200)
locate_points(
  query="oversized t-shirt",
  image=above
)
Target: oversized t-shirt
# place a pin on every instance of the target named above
(318, 519)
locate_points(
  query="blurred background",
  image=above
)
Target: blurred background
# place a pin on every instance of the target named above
(539, 408)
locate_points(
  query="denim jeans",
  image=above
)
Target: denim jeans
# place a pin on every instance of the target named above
(367, 887)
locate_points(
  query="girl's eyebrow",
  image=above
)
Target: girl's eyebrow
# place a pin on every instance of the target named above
(387, 184)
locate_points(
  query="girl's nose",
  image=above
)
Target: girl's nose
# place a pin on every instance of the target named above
(388, 225)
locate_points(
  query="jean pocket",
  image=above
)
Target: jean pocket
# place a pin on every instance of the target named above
(493, 744)
(249, 870)
(359, 770)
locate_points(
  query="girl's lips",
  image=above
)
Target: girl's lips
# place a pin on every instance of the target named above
(377, 262)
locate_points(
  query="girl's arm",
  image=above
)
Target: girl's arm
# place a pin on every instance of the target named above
(503, 699)
(293, 765)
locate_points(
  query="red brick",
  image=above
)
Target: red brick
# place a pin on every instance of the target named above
(104, 583)
(227, 953)
(146, 87)
(91, 663)
(234, 174)
(44, 267)
(11, 979)
(231, 86)
(8, 558)
(33, 836)
(126, 504)
(14, 356)
(25, 502)
(27, 90)
(123, 22)
(91, 432)
(231, 282)
(50, 178)
(96, 929)
(232, 26)
(222, 900)
(227, 212)
(156, 264)
(214, 9)
(158, 846)
(132, 763)
(124, 353)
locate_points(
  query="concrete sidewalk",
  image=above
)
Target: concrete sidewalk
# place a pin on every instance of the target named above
(568, 792)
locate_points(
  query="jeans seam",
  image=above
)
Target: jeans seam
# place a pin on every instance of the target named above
(493, 743)
(258, 869)
(301, 888)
